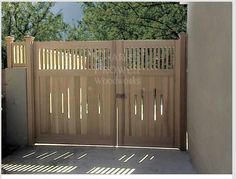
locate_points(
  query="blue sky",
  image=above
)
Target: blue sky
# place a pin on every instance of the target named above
(71, 11)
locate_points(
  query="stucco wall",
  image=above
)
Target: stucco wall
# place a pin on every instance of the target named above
(209, 86)
(16, 111)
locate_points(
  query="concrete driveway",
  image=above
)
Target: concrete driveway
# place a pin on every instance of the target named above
(96, 160)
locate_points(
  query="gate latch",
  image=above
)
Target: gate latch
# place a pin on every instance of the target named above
(120, 95)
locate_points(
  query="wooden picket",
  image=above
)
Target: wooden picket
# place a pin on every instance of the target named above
(126, 92)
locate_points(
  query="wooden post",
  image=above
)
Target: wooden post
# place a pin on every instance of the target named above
(9, 41)
(30, 88)
(120, 96)
(180, 93)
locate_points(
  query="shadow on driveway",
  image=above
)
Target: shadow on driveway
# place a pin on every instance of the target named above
(96, 160)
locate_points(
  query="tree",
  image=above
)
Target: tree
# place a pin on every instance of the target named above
(130, 20)
(31, 18)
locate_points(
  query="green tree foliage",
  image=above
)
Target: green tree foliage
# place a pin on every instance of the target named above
(130, 20)
(31, 18)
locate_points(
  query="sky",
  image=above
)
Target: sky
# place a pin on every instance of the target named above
(71, 11)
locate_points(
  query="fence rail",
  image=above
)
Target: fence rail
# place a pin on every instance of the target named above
(137, 55)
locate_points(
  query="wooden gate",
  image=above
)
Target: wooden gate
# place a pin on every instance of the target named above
(105, 92)
(72, 105)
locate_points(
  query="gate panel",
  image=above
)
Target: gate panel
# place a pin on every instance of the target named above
(149, 111)
(74, 104)
(149, 93)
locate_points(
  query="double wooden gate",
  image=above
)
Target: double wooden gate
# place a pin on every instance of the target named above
(104, 92)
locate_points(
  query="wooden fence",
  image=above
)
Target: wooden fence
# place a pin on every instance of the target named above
(126, 92)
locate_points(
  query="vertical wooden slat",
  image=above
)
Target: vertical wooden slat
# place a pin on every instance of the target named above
(84, 59)
(105, 59)
(90, 58)
(93, 59)
(151, 122)
(81, 59)
(130, 58)
(67, 59)
(65, 104)
(71, 107)
(138, 116)
(77, 105)
(132, 116)
(15, 54)
(54, 53)
(171, 57)
(106, 110)
(60, 103)
(137, 109)
(63, 60)
(158, 124)
(43, 100)
(126, 58)
(100, 112)
(53, 60)
(96, 58)
(146, 58)
(43, 59)
(47, 104)
(76, 59)
(21, 54)
(158, 57)
(73, 59)
(167, 58)
(92, 101)
(155, 58)
(59, 63)
(142, 58)
(51, 106)
(70, 56)
(83, 82)
(24, 55)
(133, 58)
(165, 82)
(38, 58)
(67, 54)
(145, 107)
(101, 59)
(48, 59)
(151, 58)
(55, 106)
(138, 58)
(171, 108)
